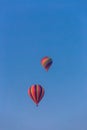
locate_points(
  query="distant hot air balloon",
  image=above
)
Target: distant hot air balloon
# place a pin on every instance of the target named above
(36, 93)
(46, 62)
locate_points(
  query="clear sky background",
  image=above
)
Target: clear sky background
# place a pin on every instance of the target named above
(30, 30)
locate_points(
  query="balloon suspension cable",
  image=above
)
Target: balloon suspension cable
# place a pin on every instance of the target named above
(37, 105)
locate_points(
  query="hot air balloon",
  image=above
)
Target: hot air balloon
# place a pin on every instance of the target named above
(36, 93)
(46, 62)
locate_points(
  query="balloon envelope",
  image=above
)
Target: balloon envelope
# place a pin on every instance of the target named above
(46, 62)
(36, 93)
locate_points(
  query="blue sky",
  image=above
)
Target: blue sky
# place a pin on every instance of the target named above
(30, 30)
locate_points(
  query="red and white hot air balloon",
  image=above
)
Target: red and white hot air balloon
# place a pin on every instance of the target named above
(36, 93)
